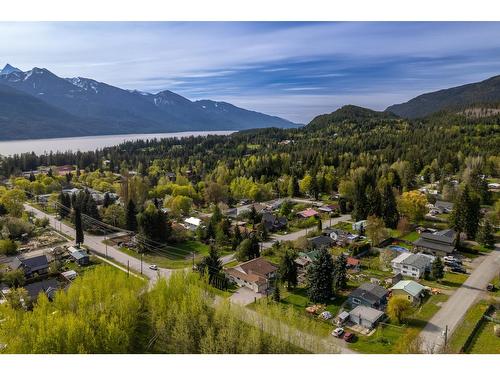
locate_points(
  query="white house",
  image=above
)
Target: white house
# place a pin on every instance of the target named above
(413, 265)
(192, 223)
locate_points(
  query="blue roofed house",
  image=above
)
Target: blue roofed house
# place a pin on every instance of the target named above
(80, 256)
(31, 265)
(369, 294)
(409, 289)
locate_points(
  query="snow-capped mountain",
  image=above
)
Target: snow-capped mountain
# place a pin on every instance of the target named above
(113, 110)
(8, 69)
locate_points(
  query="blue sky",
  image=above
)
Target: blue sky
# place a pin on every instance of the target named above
(293, 70)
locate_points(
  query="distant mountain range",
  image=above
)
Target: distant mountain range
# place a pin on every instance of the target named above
(39, 104)
(453, 99)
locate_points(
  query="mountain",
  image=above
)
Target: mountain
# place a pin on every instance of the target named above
(8, 69)
(456, 98)
(36, 117)
(348, 113)
(108, 109)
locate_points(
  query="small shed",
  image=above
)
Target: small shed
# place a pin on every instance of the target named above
(79, 255)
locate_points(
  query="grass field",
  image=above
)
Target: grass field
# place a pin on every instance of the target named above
(465, 328)
(179, 256)
(412, 236)
(485, 341)
(450, 281)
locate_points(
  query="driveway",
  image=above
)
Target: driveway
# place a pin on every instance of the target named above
(244, 296)
(453, 310)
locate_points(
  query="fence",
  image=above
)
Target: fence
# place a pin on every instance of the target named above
(467, 345)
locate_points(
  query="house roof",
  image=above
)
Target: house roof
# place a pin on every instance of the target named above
(308, 213)
(370, 292)
(352, 261)
(251, 278)
(45, 286)
(441, 241)
(415, 260)
(321, 241)
(409, 286)
(193, 221)
(312, 255)
(33, 263)
(257, 266)
(443, 204)
(367, 313)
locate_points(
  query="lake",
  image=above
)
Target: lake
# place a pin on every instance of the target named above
(40, 146)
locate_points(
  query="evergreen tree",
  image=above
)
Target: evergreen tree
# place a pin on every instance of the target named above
(389, 208)
(340, 273)
(211, 264)
(320, 225)
(32, 177)
(236, 238)
(79, 238)
(293, 187)
(466, 214)
(91, 208)
(485, 235)
(64, 204)
(276, 292)
(154, 224)
(288, 269)
(320, 277)
(131, 216)
(437, 270)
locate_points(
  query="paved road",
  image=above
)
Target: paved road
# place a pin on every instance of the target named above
(94, 243)
(295, 235)
(454, 309)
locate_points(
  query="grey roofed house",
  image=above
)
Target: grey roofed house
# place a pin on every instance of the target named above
(443, 207)
(36, 264)
(439, 243)
(273, 222)
(321, 241)
(365, 316)
(49, 287)
(368, 294)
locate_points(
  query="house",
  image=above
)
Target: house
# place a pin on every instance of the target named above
(329, 208)
(69, 275)
(275, 204)
(443, 207)
(320, 242)
(412, 265)
(359, 225)
(342, 318)
(80, 256)
(365, 316)
(63, 170)
(192, 223)
(171, 176)
(439, 243)
(49, 287)
(273, 222)
(353, 263)
(409, 289)
(73, 191)
(256, 274)
(306, 214)
(32, 266)
(368, 294)
(305, 259)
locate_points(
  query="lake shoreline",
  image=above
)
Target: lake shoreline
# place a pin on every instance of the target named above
(90, 143)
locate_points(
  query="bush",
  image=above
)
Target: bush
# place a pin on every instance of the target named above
(8, 247)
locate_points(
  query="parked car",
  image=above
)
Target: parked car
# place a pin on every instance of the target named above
(338, 332)
(458, 269)
(349, 336)
(153, 267)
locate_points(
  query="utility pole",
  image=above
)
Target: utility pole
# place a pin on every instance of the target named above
(141, 263)
(192, 253)
(128, 268)
(446, 336)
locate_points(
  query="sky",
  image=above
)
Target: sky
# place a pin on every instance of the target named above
(293, 70)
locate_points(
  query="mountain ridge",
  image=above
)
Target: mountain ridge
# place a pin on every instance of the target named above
(128, 111)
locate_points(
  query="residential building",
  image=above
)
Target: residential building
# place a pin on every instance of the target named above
(320, 242)
(192, 223)
(80, 256)
(365, 316)
(369, 294)
(256, 274)
(440, 243)
(273, 222)
(32, 266)
(359, 225)
(306, 214)
(443, 207)
(409, 289)
(412, 265)
(48, 286)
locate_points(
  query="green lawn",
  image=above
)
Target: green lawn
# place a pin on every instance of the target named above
(465, 328)
(412, 236)
(178, 256)
(344, 225)
(450, 281)
(486, 342)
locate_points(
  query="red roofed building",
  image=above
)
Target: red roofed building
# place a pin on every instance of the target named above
(308, 213)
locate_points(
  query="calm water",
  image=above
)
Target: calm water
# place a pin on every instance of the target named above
(40, 146)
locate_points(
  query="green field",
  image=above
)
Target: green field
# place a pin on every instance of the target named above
(465, 328)
(485, 341)
(450, 281)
